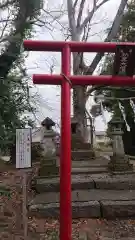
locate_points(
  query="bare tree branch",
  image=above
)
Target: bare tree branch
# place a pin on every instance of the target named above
(4, 5)
(80, 13)
(90, 15)
(71, 18)
(94, 3)
(75, 4)
(4, 27)
(54, 18)
(102, 3)
(111, 35)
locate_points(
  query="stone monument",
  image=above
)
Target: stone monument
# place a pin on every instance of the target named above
(119, 161)
(48, 162)
(80, 149)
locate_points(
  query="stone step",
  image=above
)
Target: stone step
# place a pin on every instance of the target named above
(86, 146)
(87, 203)
(42, 184)
(79, 210)
(83, 154)
(86, 170)
(88, 163)
(82, 181)
(88, 195)
(118, 182)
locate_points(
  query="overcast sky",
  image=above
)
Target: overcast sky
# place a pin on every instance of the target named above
(39, 62)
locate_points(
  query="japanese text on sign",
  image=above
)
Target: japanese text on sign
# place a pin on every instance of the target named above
(23, 148)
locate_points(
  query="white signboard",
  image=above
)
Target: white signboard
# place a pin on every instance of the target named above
(23, 148)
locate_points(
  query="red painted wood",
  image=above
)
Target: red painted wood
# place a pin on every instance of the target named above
(65, 156)
(55, 46)
(84, 80)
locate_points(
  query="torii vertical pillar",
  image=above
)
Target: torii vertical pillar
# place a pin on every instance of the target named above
(65, 152)
(64, 80)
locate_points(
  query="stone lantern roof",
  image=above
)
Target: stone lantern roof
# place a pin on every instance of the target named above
(117, 121)
(48, 122)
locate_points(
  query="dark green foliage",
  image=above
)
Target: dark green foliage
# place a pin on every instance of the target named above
(126, 33)
(15, 97)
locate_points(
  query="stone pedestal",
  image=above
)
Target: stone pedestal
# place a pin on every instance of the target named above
(48, 167)
(78, 143)
(119, 161)
(80, 149)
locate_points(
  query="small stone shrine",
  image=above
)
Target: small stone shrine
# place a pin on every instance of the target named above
(119, 161)
(80, 149)
(48, 163)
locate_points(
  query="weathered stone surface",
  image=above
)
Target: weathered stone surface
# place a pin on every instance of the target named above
(86, 209)
(86, 195)
(79, 210)
(116, 183)
(49, 185)
(120, 163)
(115, 209)
(83, 154)
(76, 140)
(88, 163)
(85, 146)
(90, 170)
(48, 170)
(48, 166)
(98, 162)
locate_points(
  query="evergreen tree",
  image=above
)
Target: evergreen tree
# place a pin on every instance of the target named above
(15, 98)
(115, 95)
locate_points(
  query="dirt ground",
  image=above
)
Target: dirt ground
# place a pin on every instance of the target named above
(89, 229)
(48, 229)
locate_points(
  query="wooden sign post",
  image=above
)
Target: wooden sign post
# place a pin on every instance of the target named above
(23, 162)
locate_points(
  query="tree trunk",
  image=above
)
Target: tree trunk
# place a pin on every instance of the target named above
(79, 98)
(79, 102)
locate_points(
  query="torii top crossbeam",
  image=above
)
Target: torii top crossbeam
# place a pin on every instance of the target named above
(51, 46)
(79, 47)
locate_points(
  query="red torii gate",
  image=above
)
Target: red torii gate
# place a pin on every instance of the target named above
(65, 80)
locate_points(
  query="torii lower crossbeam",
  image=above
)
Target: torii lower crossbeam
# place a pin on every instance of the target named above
(64, 80)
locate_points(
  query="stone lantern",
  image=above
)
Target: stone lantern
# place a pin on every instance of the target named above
(48, 164)
(119, 161)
